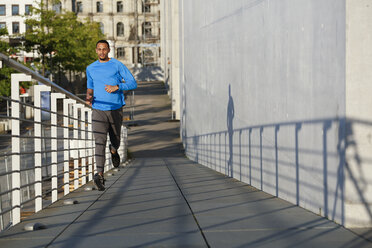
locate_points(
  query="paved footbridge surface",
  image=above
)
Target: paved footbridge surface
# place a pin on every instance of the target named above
(162, 199)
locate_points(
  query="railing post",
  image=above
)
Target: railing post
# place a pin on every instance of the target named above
(91, 160)
(81, 154)
(66, 145)
(76, 145)
(38, 156)
(16, 147)
(83, 144)
(108, 162)
(54, 135)
(122, 148)
(125, 143)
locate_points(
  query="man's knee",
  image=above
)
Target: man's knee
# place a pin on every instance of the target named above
(100, 141)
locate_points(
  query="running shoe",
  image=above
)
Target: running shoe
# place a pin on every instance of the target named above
(99, 181)
(115, 158)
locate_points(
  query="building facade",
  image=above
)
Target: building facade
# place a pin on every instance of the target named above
(132, 27)
(12, 15)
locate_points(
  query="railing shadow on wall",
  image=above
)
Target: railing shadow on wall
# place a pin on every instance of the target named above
(303, 162)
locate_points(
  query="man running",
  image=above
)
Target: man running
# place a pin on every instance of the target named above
(107, 78)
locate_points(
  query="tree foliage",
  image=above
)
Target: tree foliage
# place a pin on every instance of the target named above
(4, 71)
(4, 46)
(5, 80)
(62, 39)
(64, 42)
(76, 50)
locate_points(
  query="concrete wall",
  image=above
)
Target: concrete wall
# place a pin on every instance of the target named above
(267, 88)
(358, 172)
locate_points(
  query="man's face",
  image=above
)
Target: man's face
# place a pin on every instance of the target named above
(102, 51)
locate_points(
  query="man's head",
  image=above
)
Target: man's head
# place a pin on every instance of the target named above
(102, 50)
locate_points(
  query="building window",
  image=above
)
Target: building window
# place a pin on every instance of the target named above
(102, 27)
(120, 52)
(15, 9)
(2, 25)
(120, 29)
(28, 28)
(79, 7)
(146, 7)
(57, 7)
(99, 7)
(119, 7)
(148, 57)
(15, 27)
(2, 10)
(28, 9)
(73, 6)
(146, 28)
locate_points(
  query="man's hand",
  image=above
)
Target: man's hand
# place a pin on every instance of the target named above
(89, 97)
(111, 88)
(89, 101)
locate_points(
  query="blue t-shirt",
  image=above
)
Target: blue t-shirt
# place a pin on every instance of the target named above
(112, 72)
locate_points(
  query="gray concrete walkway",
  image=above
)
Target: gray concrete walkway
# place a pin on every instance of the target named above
(166, 200)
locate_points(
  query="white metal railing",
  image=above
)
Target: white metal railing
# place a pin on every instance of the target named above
(53, 156)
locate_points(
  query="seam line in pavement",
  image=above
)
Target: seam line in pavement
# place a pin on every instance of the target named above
(184, 197)
(64, 229)
(270, 229)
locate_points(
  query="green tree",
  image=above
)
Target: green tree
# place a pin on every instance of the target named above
(4, 71)
(68, 43)
(65, 43)
(5, 80)
(39, 33)
(75, 51)
(4, 46)
(75, 42)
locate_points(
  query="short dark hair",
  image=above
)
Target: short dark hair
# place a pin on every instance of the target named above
(103, 41)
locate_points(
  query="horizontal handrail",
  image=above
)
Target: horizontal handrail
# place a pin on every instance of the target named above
(19, 67)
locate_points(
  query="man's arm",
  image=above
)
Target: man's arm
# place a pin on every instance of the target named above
(89, 98)
(90, 87)
(111, 88)
(130, 83)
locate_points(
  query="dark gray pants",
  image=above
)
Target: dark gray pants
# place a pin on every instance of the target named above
(104, 122)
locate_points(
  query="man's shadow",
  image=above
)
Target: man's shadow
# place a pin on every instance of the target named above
(230, 130)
